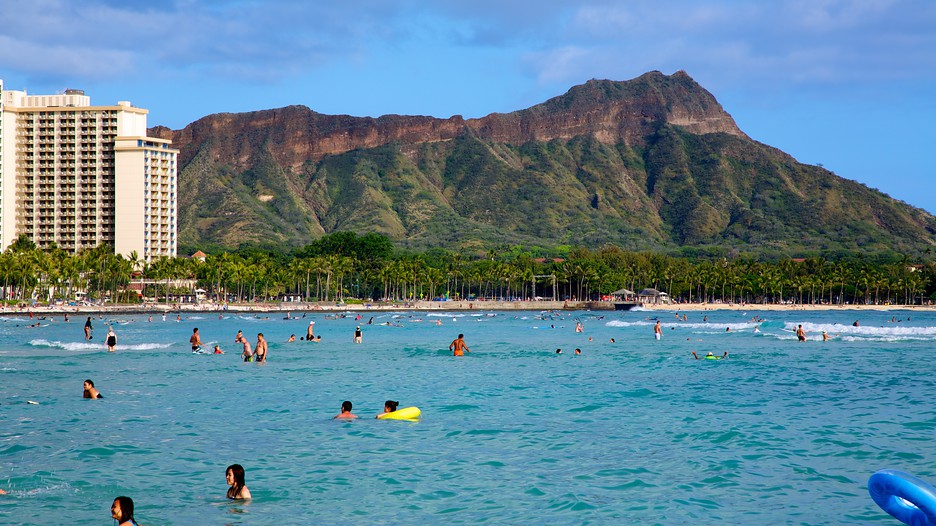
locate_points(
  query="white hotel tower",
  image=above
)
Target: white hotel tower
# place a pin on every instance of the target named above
(77, 176)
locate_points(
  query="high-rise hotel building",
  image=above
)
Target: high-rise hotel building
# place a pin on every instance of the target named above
(77, 176)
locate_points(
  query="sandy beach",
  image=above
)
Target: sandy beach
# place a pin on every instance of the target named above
(332, 306)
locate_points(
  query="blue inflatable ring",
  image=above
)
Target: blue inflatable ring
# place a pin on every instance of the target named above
(909, 499)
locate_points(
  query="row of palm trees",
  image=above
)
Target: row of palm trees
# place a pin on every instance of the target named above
(28, 273)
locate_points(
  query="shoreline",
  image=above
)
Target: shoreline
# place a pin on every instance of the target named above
(440, 306)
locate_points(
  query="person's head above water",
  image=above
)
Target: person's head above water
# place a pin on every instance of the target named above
(391, 405)
(346, 407)
(122, 509)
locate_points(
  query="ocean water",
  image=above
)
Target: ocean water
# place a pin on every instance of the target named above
(630, 432)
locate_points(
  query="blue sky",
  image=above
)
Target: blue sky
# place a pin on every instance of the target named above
(850, 84)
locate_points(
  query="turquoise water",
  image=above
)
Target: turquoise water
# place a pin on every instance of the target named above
(633, 432)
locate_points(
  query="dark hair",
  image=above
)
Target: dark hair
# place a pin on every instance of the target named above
(126, 509)
(238, 472)
(195, 329)
(461, 335)
(346, 406)
(392, 405)
(89, 382)
(259, 334)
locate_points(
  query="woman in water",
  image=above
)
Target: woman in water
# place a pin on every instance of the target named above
(87, 329)
(235, 479)
(111, 339)
(90, 391)
(389, 407)
(122, 510)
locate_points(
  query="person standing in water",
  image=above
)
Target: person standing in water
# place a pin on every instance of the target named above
(657, 330)
(800, 333)
(111, 339)
(88, 328)
(195, 340)
(458, 346)
(310, 332)
(261, 352)
(358, 335)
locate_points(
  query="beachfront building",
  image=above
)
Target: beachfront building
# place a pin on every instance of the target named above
(77, 176)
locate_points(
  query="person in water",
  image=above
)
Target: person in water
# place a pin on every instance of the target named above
(195, 340)
(358, 335)
(800, 333)
(235, 478)
(345, 412)
(111, 339)
(90, 391)
(261, 351)
(217, 350)
(710, 356)
(292, 338)
(389, 407)
(88, 328)
(458, 346)
(310, 332)
(657, 330)
(122, 511)
(247, 355)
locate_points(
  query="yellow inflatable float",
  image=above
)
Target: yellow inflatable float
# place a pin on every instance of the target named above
(407, 413)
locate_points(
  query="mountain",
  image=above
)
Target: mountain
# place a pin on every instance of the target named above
(650, 163)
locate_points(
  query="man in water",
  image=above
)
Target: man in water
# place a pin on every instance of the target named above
(195, 340)
(657, 330)
(345, 412)
(261, 348)
(458, 346)
(800, 333)
(358, 336)
(310, 332)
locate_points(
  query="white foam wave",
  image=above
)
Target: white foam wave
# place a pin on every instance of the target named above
(897, 331)
(446, 315)
(88, 346)
(713, 327)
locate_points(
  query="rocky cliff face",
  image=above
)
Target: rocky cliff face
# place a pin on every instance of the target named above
(609, 111)
(650, 163)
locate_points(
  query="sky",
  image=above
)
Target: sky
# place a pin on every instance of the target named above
(848, 84)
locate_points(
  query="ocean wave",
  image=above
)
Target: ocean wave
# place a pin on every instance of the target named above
(897, 331)
(89, 346)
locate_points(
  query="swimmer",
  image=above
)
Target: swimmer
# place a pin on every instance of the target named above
(217, 350)
(195, 340)
(358, 335)
(345, 412)
(657, 330)
(710, 356)
(292, 338)
(458, 346)
(579, 327)
(578, 351)
(800, 333)
(612, 340)
(90, 391)
(111, 339)
(825, 336)
(122, 510)
(558, 351)
(88, 328)
(389, 407)
(310, 331)
(235, 478)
